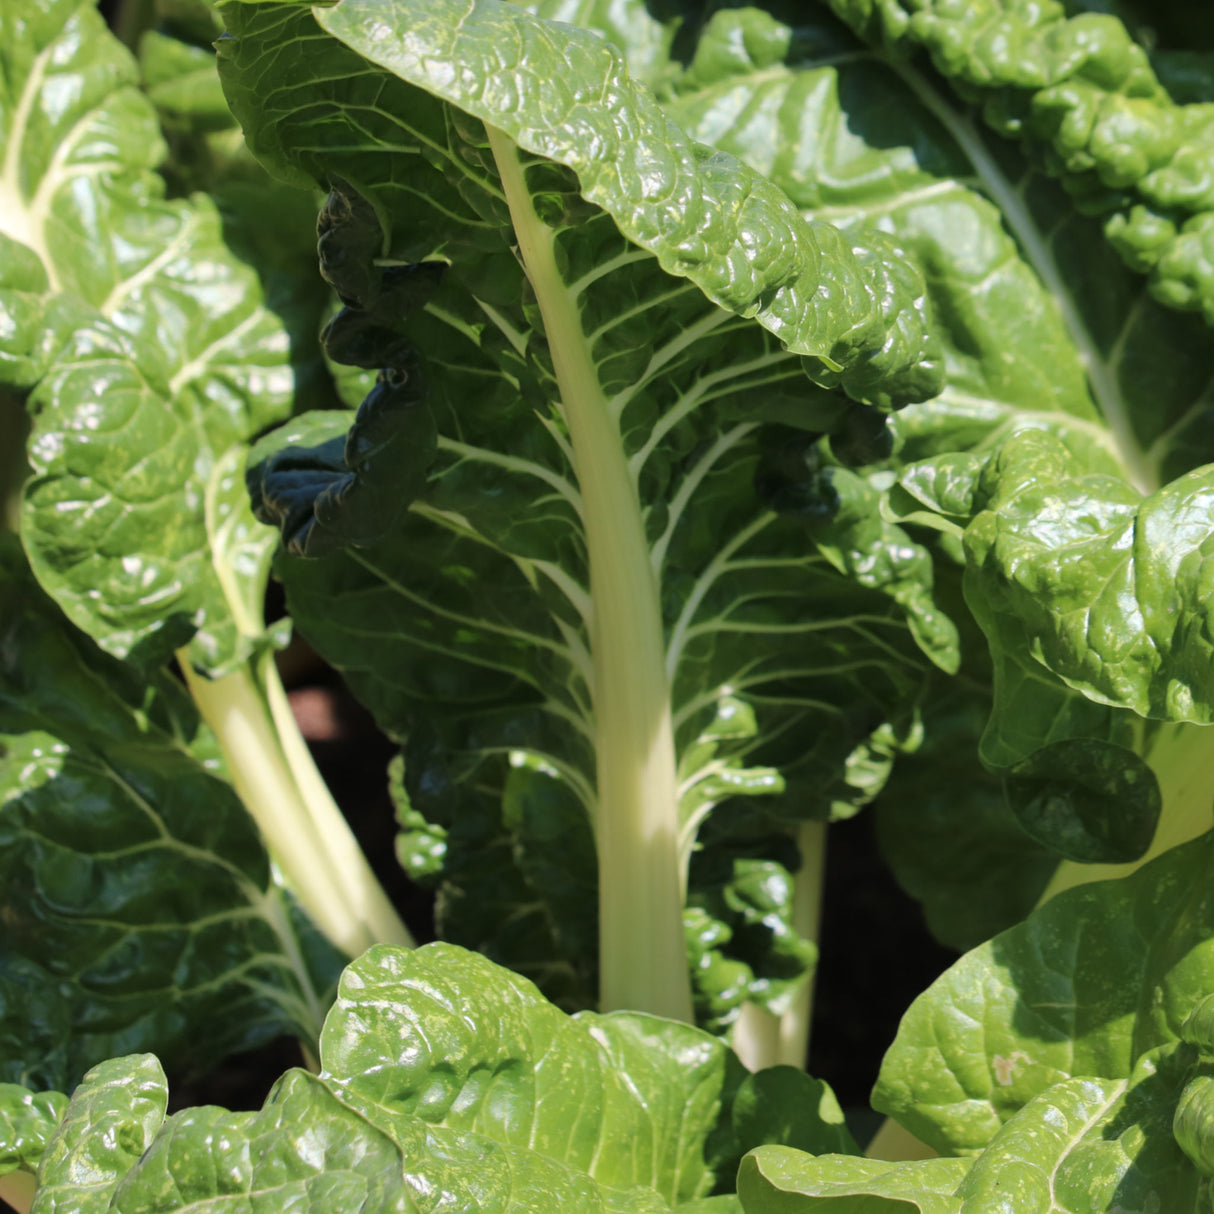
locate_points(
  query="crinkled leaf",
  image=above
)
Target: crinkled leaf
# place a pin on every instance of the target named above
(741, 940)
(1084, 988)
(780, 1180)
(447, 1083)
(1103, 588)
(111, 1120)
(171, 360)
(137, 896)
(1028, 297)
(472, 621)
(799, 281)
(27, 1120)
(1081, 94)
(1092, 1144)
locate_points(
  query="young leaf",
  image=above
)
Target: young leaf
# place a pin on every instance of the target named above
(1084, 988)
(448, 1083)
(780, 1180)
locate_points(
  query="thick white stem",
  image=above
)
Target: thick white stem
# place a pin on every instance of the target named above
(347, 904)
(792, 1046)
(643, 960)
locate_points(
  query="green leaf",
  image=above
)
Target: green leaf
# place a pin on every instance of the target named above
(948, 834)
(1081, 93)
(1102, 588)
(137, 897)
(1086, 800)
(447, 1083)
(813, 294)
(741, 940)
(111, 1120)
(779, 1180)
(183, 85)
(785, 1105)
(471, 624)
(1027, 297)
(1091, 1144)
(1084, 988)
(27, 1120)
(169, 357)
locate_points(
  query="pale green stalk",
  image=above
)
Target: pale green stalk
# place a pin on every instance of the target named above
(760, 1038)
(305, 832)
(643, 959)
(18, 1189)
(1181, 757)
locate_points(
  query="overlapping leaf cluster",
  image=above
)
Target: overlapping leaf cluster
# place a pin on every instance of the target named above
(492, 687)
(768, 234)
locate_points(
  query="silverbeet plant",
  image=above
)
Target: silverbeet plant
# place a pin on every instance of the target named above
(706, 420)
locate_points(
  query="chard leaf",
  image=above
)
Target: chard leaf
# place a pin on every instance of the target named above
(480, 624)
(182, 83)
(785, 1105)
(800, 281)
(1080, 92)
(446, 1083)
(949, 835)
(111, 1120)
(1085, 988)
(1025, 289)
(1103, 588)
(137, 896)
(27, 1120)
(742, 943)
(780, 1180)
(169, 359)
(1092, 1144)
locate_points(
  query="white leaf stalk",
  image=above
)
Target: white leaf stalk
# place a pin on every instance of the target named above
(307, 836)
(760, 1038)
(642, 954)
(1179, 755)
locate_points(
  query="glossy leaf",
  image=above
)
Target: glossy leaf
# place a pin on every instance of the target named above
(172, 358)
(1086, 987)
(473, 619)
(138, 899)
(111, 1121)
(1096, 577)
(778, 1180)
(859, 137)
(1091, 1144)
(446, 1083)
(1081, 92)
(27, 1120)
